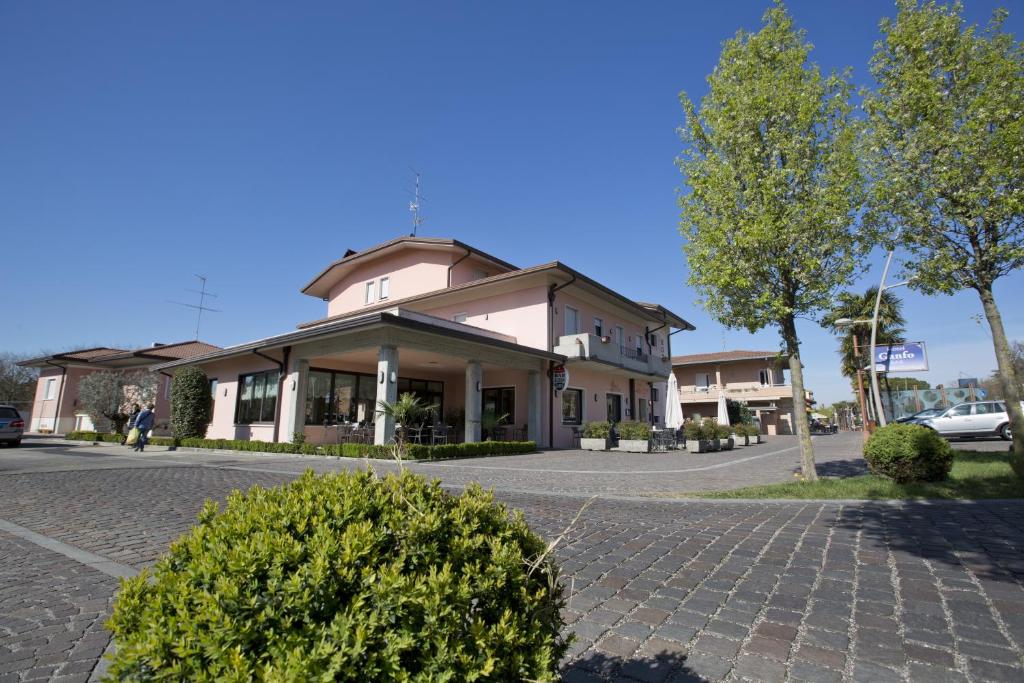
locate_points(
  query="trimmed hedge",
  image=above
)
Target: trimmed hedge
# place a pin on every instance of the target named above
(907, 453)
(634, 430)
(346, 577)
(345, 450)
(103, 437)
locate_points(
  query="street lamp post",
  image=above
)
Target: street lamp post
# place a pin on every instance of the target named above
(874, 334)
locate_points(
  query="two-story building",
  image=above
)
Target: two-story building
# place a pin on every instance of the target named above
(462, 329)
(56, 409)
(756, 378)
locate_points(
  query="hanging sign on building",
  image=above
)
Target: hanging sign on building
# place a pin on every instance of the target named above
(560, 377)
(905, 357)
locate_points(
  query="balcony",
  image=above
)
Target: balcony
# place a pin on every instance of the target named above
(586, 346)
(737, 391)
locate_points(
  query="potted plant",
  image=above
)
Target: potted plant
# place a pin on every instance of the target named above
(694, 434)
(634, 437)
(595, 435)
(709, 432)
(753, 434)
(724, 437)
(740, 435)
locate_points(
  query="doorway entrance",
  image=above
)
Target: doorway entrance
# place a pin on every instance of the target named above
(614, 408)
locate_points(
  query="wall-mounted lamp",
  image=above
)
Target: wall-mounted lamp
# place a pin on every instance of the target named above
(293, 385)
(595, 398)
(394, 378)
(225, 391)
(478, 386)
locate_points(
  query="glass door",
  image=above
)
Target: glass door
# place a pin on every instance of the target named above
(614, 408)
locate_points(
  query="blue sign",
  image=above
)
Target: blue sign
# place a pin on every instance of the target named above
(906, 357)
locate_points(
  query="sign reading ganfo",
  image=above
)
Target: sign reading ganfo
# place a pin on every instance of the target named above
(906, 357)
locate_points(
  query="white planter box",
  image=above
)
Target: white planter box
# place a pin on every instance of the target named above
(698, 446)
(593, 444)
(633, 446)
(727, 444)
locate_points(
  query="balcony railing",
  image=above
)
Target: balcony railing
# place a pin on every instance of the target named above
(634, 354)
(592, 347)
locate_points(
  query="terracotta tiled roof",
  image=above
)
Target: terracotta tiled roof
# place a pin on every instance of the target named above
(103, 354)
(90, 354)
(723, 357)
(180, 350)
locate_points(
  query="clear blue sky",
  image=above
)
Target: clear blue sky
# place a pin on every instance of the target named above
(254, 142)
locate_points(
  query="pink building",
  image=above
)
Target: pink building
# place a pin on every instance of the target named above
(461, 329)
(756, 378)
(55, 408)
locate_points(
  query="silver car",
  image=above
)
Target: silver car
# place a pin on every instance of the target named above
(980, 418)
(12, 427)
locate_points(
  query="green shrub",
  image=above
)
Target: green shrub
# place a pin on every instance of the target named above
(635, 431)
(190, 403)
(693, 431)
(708, 429)
(345, 450)
(907, 453)
(346, 577)
(596, 430)
(723, 431)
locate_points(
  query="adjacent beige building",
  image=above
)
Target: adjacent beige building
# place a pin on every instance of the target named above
(755, 378)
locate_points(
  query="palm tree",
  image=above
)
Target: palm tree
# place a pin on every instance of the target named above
(406, 411)
(861, 307)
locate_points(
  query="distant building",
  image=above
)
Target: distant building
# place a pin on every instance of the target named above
(756, 378)
(55, 408)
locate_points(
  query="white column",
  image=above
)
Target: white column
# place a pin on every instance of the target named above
(474, 401)
(387, 390)
(533, 400)
(293, 406)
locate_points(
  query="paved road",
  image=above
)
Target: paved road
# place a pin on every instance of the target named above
(660, 590)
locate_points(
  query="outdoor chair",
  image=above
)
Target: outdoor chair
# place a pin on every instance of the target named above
(499, 434)
(574, 442)
(439, 435)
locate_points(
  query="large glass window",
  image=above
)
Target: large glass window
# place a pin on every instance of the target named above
(318, 397)
(572, 407)
(346, 397)
(257, 397)
(500, 402)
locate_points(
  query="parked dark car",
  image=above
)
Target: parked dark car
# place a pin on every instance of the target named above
(12, 427)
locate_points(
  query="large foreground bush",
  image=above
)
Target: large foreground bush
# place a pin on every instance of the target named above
(346, 577)
(907, 453)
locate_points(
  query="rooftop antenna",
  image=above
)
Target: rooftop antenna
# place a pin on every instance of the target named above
(202, 302)
(414, 205)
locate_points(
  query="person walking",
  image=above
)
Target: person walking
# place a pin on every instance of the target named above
(144, 422)
(132, 417)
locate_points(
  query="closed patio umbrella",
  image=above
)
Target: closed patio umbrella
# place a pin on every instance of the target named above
(673, 410)
(723, 410)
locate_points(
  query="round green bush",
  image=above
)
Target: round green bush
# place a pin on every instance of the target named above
(906, 453)
(346, 577)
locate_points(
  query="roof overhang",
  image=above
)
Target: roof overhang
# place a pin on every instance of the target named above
(395, 317)
(320, 286)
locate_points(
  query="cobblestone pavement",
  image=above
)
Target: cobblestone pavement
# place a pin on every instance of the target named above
(660, 590)
(576, 472)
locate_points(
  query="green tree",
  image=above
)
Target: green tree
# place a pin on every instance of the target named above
(17, 383)
(190, 403)
(774, 185)
(862, 307)
(110, 395)
(946, 157)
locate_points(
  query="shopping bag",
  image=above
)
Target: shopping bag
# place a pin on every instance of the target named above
(133, 436)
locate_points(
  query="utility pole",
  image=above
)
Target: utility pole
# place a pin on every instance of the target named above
(860, 388)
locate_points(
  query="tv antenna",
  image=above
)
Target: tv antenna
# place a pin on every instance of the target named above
(202, 303)
(414, 205)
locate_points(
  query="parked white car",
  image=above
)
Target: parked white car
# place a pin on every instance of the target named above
(980, 418)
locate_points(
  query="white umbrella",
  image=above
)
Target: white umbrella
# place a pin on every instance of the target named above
(673, 410)
(723, 410)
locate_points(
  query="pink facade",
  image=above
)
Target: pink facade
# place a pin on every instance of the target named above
(439, 315)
